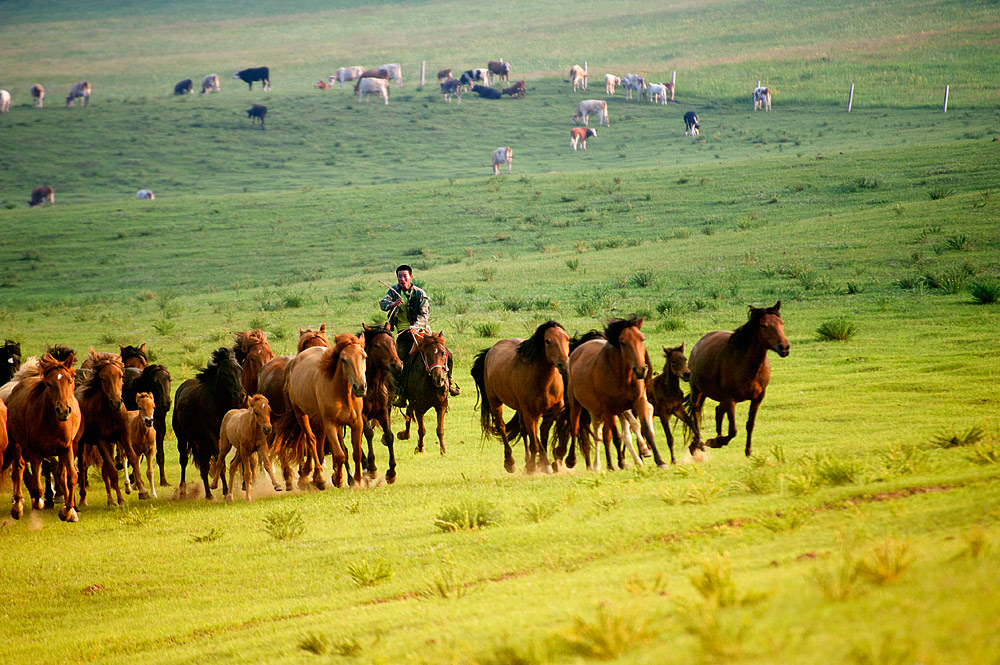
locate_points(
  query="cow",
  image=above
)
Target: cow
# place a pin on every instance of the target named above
(248, 76)
(500, 156)
(578, 77)
(451, 87)
(487, 92)
(322, 85)
(145, 195)
(634, 82)
(257, 112)
(371, 74)
(500, 69)
(41, 195)
(580, 135)
(210, 83)
(345, 74)
(394, 71)
(79, 89)
(4, 101)
(588, 106)
(761, 98)
(444, 74)
(691, 124)
(658, 92)
(371, 85)
(185, 87)
(610, 81)
(470, 75)
(38, 94)
(516, 90)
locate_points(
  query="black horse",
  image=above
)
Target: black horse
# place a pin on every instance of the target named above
(199, 405)
(10, 360)
(154, 379)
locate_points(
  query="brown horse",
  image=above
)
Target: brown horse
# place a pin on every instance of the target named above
(607, 378)
(526, 375)
(44, 420)
(252, 353)
(271, 380)
(732, 367)
(134, 356)
(325, 388)
(246, 430)
(665, 394)
(382, 366)
(427, 387)
(142, 435)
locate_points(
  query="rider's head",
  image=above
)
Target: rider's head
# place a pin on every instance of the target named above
(404, 277)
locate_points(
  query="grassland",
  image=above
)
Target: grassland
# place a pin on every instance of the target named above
(865, 528)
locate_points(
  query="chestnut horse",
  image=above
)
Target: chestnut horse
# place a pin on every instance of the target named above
(325, 388)
(142, 435)
(526, 375)
(665, 394)
(732, 367)
(252, 353)
(607, 377)
(44, 420)
(246, 430)
(271, 380)
(153, 379)
(382, 366)
(427, 386)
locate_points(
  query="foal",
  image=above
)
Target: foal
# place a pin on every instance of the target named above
(246, 430)
(142, 434)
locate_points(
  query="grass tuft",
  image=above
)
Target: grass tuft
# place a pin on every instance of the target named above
(314, 643)
(970, 437)
(466, 516)
(209, 536)
(887, 562)
(836, 330)
(985, 291)
(366, 573)
(940, 192)
(284, 524)
(487, 329)
(607, 635)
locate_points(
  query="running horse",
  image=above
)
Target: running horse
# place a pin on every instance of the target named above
(10, 360)
(732, 367)
(271, 380)
(252, 353)
(427, 386)
(526, 375)
(44, 420)
(134, 356)
(382, 366)
(665, 394)
(153, 379)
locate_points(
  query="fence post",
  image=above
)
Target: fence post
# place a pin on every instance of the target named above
(673, 84)
(850, 99)
(946, 99)
(423, 70)
(585, 74)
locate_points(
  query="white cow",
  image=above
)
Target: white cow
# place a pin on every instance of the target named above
(634, 82)
(588, 106)
(501, 156)
(761, 97)
(210, 83)
(4, 101)
(345, 74)
(394, 71)
(610, 81)
(658, 91)
(79, 89)
(145, 195)
(368, 86)
(38, 94)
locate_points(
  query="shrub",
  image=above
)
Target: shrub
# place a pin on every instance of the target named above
(985, 291)
(513, 304)
(466, 516)
(314, 643)
(642, 278)
(887, 562)
(594, 302)
(573, 264)
(487, 329)
(836, 471)
(983, 453)
(607, 636)
(367, 573)
(940, 192)
(284, 524)
(868, 182)
(969, 437)
(959, 242)
(839, 330)
(165, 327)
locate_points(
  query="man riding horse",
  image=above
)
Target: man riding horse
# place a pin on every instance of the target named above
(409, 303)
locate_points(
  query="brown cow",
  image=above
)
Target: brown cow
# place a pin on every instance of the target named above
(498, 68)
(516, 90)
(444, 74)
(41, 195)
(38, 94)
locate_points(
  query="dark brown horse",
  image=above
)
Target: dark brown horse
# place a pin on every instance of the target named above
(44, 420)
(252, 353)
(271, 380)
(527, 376)
(427, 387)
(664, 393)
(382, 366)
(154, 379)
(10, 360)
(134, 356)
(732, 367)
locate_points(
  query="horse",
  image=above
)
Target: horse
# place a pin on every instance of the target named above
(607, 377)
(732, 367)
(325, 389)
(526, 375)
(44, 420)
(381, 368)
(143, 435)
(246, 430)
(252, 353)
(665, 394)
(271, 380)
(10, 360)
(427, 388)
(134, 356)
(199, 405)
(153, 379)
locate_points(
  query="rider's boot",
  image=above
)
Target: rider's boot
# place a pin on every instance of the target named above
(400, 401)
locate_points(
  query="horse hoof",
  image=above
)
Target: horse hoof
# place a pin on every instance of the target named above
(418, 451)
(390, 476)
(144, 495)
(663, 465)
(320, 483)
(403, 435)
(229, 498)
(69, 515)
(277, 488)
(508, 466)
(17, 511)
(164, 483)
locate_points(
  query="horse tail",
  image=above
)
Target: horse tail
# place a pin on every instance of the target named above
(479, 377)
(287, 434)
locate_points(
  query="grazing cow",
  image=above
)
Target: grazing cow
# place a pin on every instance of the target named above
(500, 69)
(691, 124)
(394, 72)
(38, 94)
(444, 74)
(451, 87)
(210, 83)
(257, 112)
(368, 86)
(500, 156)
(761, 97)
(41, 195)
(516, 90)
(580, 135)
(471, 75)
(487, 92)
(185, 87)
(370, 74)
(634, 82)
(248, 76)
(578, 77)
(658, 92)
(345, 74)
(4, 101)
(145, 195)
(322, 85)
(610, 81)
(670, 89)
(79, 89)
(588, 106)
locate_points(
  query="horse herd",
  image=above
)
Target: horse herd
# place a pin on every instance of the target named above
(111, 411)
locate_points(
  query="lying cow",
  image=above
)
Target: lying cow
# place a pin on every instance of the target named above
(761, 98)
(345, 74)
(369, 85)
(79, 89)
(145, 195)
(487, 92)
(248, 76)
(40, 195)
(4, 101)
(499, 68)
(588, 106)
(210, 83)
(185, 87)
(257, 112)
(610, 81)
(658, 92)
(451, 87)
(444, 74)
(501, 155)
(636, 83)
(691, 125)
(322, 85)
(578, 77)
(371, 74)
(38, 94)
(394, 72)
(516, 90)
(580, 135)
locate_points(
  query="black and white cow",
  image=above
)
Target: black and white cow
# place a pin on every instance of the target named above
(451, 87)
(185, 87)
(248, 76)
(471, 75)
(691, 124)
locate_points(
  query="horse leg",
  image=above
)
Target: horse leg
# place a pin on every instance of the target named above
(626, 421)
(387, 441)
(183, 454)
(542, 444)
(645, 413)
(219, 463)
(356, 431)
(665, 422)
(412, 416)
(149, 472)
(161, 430)
(16, 478)
(369, 460)
(697, 402)
(616, 439)
(205, 463)
(440, 427)
(727, 408)
(244, 466)
(133, 459)
(754, 405)
(109, 472)
(67, 484)
(50, 495)
(339, 459)
(533, 447)
(265, 456)
(405, 433)
(35, 484)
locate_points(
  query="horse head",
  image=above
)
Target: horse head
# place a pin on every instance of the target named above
(10, 359)
(146, 405)
(109, 370)
(59, 379)
(627, 336)
(556, 345)
(772, 329)
(309, 338)
(134, 356)
(352, 359)
(380, 346)
(261, 413)
(435, 358)
(677, 363)
(224, 373)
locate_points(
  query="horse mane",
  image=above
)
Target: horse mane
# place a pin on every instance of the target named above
(134, 352)
(62, 353)
(743, 337)
(430, 338)
(244, 341)
(99, 360)
(30, 367)
(219, 356)
(615, 327)
(328, 361)
(309, 334)
(585, 337)
(533, 349)
(370, 333)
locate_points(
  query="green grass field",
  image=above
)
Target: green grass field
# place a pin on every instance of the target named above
(866, 527)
